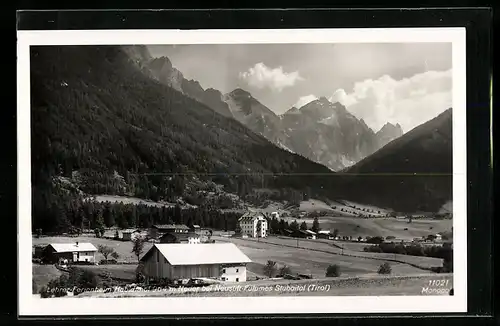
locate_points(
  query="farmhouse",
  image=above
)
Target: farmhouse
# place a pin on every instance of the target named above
(128, 234)
(324, 234)
(275, 215)
(158, 230)
(253, 224)
(73, 252)
(189, 237)
(310, 234)
(223, 261)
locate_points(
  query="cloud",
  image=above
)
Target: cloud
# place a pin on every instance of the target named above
(409, 101)
(261, 76)
(304, 100)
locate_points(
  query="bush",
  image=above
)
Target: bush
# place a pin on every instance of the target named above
(385, 268)
(375, 240)
(333, 271)
(285, 270)
(270, 268)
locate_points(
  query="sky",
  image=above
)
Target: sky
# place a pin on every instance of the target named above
(405, 83)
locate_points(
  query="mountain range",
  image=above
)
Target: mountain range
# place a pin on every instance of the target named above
(103, 118)
(321, 131)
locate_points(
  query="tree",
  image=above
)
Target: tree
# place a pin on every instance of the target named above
(294, 226)
(333, 271)
(303, 226)
(138, 247)
(335, 233)
(315, 226)
(105, 251)
(385, 268)
(116, 234)
(115, 255)
(270, 268)
(284, 270)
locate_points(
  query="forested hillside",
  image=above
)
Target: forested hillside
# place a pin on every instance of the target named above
(106, 127)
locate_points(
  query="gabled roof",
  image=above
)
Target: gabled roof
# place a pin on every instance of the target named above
(129, 230)
(324, 232)
(72, 247)
(310, 232)
(250, 216)
(171, 226)
(180, 236)
(198, 254)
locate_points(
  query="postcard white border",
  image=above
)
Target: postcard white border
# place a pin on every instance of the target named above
(29, 305)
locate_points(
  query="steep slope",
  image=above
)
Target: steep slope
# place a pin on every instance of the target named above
(253, 114)
(414, 168)
(327, 133)
(388, 133)
(97, 118)
(161, 68)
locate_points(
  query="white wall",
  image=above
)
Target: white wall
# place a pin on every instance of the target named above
(84, 256)
(234, 274)
(250, 228)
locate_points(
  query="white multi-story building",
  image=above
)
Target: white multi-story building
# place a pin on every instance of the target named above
(253, 224)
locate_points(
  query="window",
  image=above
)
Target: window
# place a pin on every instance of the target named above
(223, 270)
(237, 279)
(236, 270)
(158, 256)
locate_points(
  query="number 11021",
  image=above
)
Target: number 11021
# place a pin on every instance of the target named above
(438, 282)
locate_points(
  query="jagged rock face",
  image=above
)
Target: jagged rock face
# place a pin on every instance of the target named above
(388, 133)
(327, 133)
(253, 114)
(321, 131)
(164, 72)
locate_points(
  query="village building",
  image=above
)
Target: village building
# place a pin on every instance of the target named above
(223, 261)
(324, 234)
(253, 224)
(275, 215)
(71, 252)
(310, 234)
(171, 237)
(158, 230)
(128, 234)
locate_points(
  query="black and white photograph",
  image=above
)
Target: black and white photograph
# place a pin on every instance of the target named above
(243, 165)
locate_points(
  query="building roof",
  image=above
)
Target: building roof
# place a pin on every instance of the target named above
(324, 232)
(197, 254)
(196, 226)
(180, 236)
(310, 232)
(250, 216)
(72, 247)
(129, 230)
(171, 226)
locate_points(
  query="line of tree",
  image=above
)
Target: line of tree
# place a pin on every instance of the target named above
(64, 213)
(443, 251)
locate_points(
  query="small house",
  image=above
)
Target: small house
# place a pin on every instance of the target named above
(310, 234)
(158, 230)
(128, 234)
(190, 237)
(275, 215)
(324, 234)
(172, 261)
(72, 252)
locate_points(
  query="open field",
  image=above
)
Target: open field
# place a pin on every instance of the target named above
(43, 274)
(130, 200)
(314, 257)
(123, 248)
(383, 226)
(375, 285)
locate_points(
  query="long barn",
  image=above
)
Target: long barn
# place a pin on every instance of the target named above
(223, 261)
